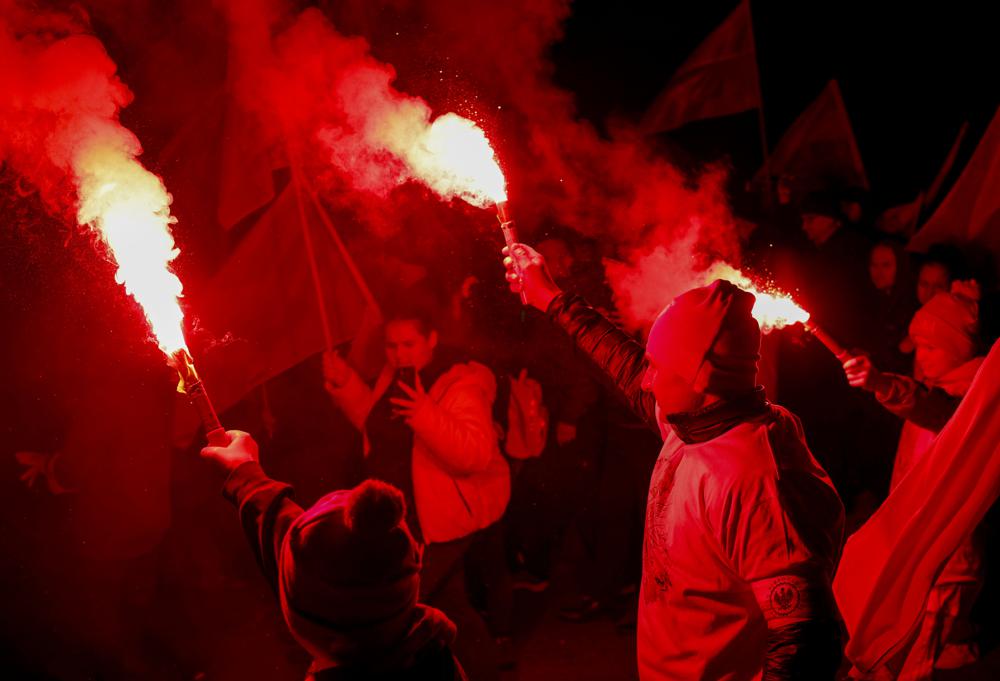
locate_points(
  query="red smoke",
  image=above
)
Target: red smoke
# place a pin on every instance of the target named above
(486, 60)
(60, 130)
(614, 188)
(59, 88)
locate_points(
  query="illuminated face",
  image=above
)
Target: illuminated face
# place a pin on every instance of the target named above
(673, 395)
(882, 267)
(407, 346)
(935, 362)
(933, 280)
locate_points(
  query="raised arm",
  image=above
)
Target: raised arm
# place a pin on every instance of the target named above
(619, 357)
(350, 394)
(907, 398)
(265, 506)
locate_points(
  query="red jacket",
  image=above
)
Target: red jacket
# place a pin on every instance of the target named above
(460, 480)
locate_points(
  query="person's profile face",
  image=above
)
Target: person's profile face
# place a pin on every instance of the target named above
(673, 395)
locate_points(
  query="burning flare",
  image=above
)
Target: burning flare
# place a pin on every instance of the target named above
(454, 158)
(129, 208)
(773, 309)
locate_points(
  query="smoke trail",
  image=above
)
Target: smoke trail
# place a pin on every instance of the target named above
(561, 170)
(59, 129)
(666, 226)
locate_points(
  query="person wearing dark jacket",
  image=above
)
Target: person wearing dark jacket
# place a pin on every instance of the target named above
(346, 572)
(743, 528)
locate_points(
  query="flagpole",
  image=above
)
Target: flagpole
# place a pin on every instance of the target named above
(310, 251)
(761, 122)
(348, 261)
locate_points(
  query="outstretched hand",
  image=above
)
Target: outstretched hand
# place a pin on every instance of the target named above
(861, 373)
(39, 468)
(415, 400)
(239, 448)
(528, 274)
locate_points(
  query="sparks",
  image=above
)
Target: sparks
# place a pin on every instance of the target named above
(454, 158)
(772, 309)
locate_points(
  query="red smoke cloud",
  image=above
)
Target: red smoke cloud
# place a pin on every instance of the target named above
(560, 169)
(611, 187)
(487, 60)
(59, 129)
(59, 89)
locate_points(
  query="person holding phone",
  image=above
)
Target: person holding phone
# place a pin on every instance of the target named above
(428, 430)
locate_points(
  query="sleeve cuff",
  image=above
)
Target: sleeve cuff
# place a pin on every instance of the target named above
(244, 476)
(556, 304)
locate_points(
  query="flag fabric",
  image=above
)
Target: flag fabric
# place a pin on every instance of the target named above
(819, 149)
(257, 315)
(905, 218)
(890, 565)
(251, 147)
(718, 79)
(902, 219)
(248, 160)
(261, 310)
(949, 162)
(970, 213)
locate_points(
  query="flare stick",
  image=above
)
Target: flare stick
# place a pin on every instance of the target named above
(510, 236)
(839, 351)
(191, 385)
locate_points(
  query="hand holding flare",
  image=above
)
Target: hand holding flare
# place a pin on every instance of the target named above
(190, 384)
(529, 276)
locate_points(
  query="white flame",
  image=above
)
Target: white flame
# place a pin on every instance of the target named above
(129, 208)
(772, 309)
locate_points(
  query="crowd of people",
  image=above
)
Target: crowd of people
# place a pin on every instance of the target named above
(493, 439)
(709, 518)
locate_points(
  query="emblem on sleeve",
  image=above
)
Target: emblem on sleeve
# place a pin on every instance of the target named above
(785, 598)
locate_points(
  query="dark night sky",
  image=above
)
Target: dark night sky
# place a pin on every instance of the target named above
(910, 74)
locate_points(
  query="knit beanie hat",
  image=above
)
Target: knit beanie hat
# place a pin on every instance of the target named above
(349, 574)
(709, 338)
(949, 321)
